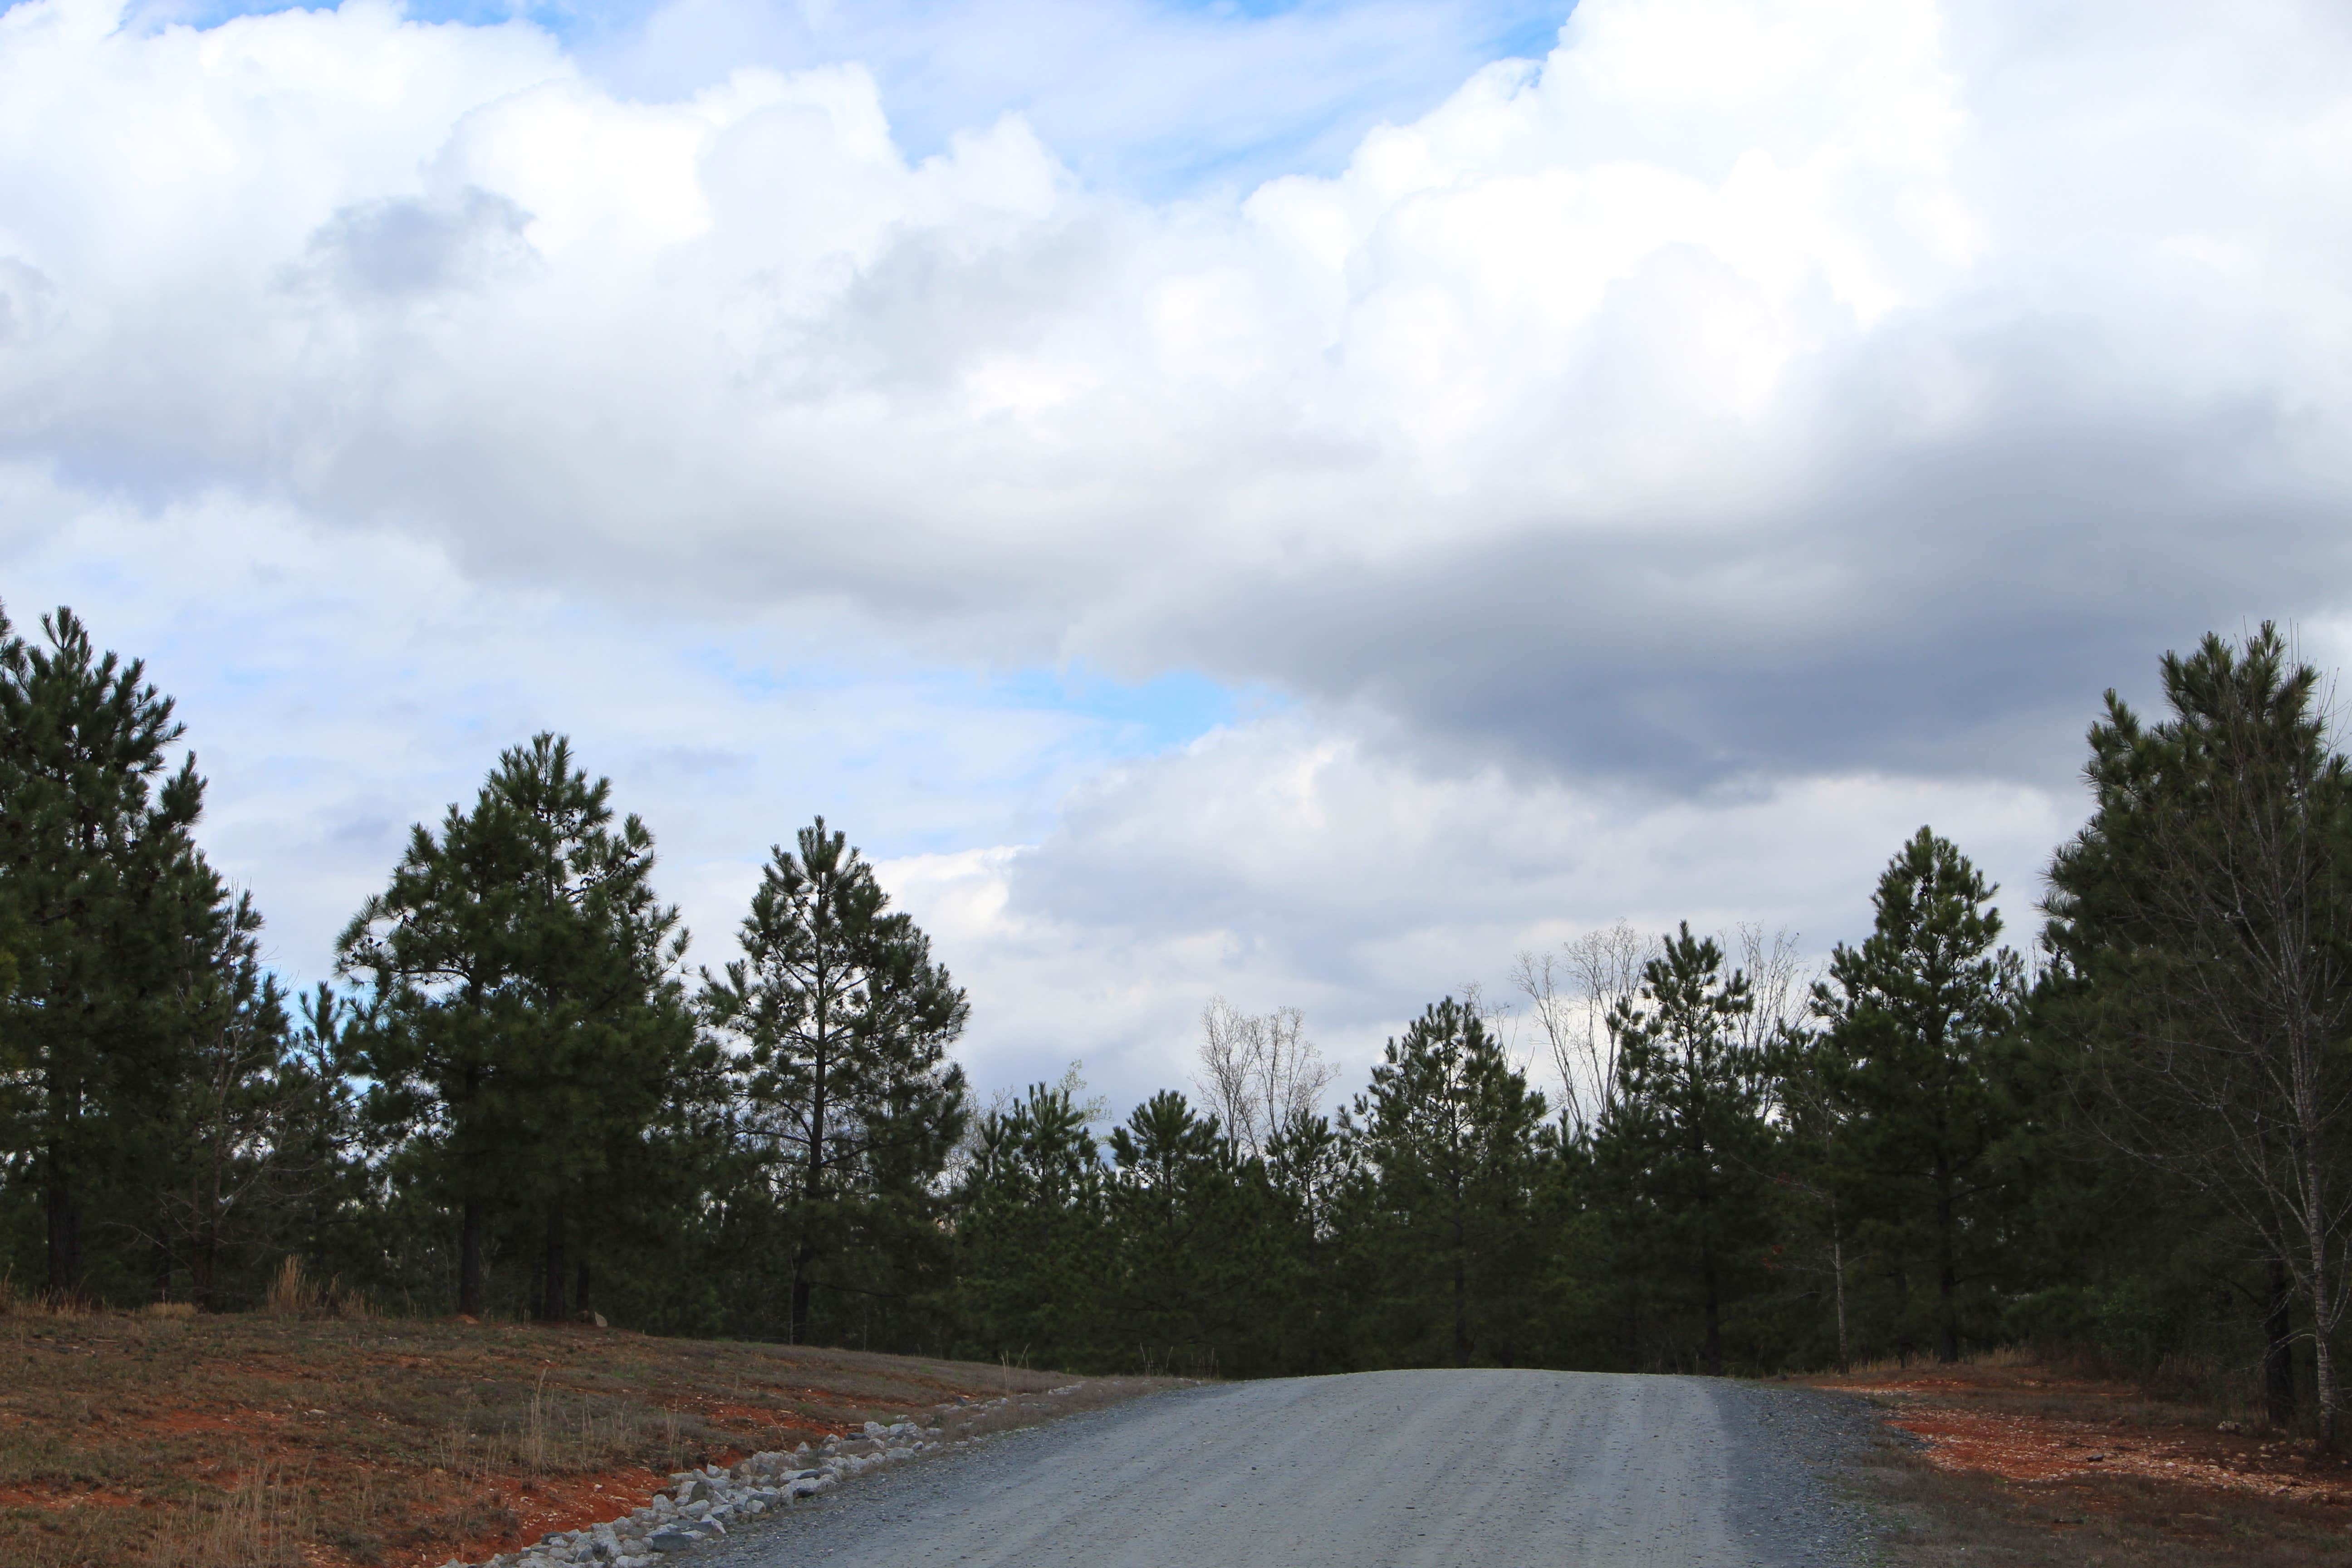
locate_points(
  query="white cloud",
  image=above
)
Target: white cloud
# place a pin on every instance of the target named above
(1656, 476)
(1729, 348)
(1281, 864)
(337, 689)
(1154, 94)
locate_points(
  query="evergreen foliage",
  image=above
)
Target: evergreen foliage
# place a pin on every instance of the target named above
(2203, 927)
(1444, 1142)
(1030, 1227)
(1915, 1019)
(2139, 1150)
(139, 1041)
(527, 1036)
(1680, 1151)
(846, 1101)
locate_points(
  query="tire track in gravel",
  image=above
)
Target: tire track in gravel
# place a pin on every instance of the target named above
(1393, 1469)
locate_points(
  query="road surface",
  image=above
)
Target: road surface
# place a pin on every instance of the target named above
(1392, 1470)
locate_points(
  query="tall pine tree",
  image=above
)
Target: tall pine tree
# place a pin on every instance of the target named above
(529, 1030)
(1916, 1020)
(842, 1020)
(1446, 1135)
(118, 919)
(1030, 1234)
(2201, 928)
(1684, 1145)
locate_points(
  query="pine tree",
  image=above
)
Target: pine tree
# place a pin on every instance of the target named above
(1307, 1169)
(529, 1030)
(1192, 1238)
(1446, 1137)
(1916, 1020)
(1030, 1233)
(2201, 931)
(117, 913)
(1684, 1143)
(842, 1020)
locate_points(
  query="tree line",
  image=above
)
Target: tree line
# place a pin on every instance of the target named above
(2129, 1138)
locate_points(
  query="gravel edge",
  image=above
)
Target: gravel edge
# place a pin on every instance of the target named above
(1798, 1497)
(706, 1506)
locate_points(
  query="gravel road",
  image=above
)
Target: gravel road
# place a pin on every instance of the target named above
(1503, 1470)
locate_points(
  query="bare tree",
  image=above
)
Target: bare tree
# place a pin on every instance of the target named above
(1780, 985)
(1573, 993)
(1258, 1071)
(2202, 917)
(1779, 982)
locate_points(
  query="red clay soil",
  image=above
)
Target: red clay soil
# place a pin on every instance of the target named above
(550, 1503)
(2036, 1424)
(258, 1442)
(2041, 1466)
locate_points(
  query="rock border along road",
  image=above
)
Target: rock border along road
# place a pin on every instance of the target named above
(1414, 1469)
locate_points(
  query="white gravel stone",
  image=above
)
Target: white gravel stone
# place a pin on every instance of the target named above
(696, 1504)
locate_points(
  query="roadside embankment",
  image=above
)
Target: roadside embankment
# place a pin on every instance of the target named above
(703, 1505)
(250, 1441)
(2039, 1464)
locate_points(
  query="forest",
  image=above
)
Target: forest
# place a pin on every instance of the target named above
(2126, 1135)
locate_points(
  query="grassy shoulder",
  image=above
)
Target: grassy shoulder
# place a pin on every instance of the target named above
(2016, 1461)
(252, 1441)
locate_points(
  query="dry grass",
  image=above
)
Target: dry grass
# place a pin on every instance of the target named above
(17, 1303)
(2016, 1461)
(294, 1294)
(153, 1439)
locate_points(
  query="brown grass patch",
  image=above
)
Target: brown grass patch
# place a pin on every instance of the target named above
(2015, 1461)
(136, 1439)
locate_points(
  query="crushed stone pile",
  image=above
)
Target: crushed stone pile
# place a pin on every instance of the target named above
(702, 1505)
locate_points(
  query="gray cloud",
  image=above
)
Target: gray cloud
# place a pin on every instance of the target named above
(400, 247)
(1944, 607)
(1620, 419)
(1659, 478)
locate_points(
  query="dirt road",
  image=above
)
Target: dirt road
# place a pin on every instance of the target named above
(1423, 1469)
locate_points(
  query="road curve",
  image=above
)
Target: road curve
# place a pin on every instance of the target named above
(1414, 1469)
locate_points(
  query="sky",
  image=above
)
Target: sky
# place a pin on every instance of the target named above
(1295, 502)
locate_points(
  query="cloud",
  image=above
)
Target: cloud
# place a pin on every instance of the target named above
(337, 689)
(406, 246)
(1142, 96)
(1735, 365)
(1281, 863)
(1648, 479)
(1092, 886)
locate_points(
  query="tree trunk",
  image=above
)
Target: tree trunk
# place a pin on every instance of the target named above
(1837, 1273)
(2278, 1346)
(469, 1258)
(802, 1288)
(1461, 1302)
(1461, 1261)
(65, 1231)
(1903, 1345)
(551, 1298)
(206, 1264)
(2322, 1299)
(63, 1203)
(580, 1287)
(203, 1265)
(1714, 1306)
(2331, 1417)
(1706, 1269)
(812, 1178)
(1948, 1283)
(469, 1229)
(200, 1246)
